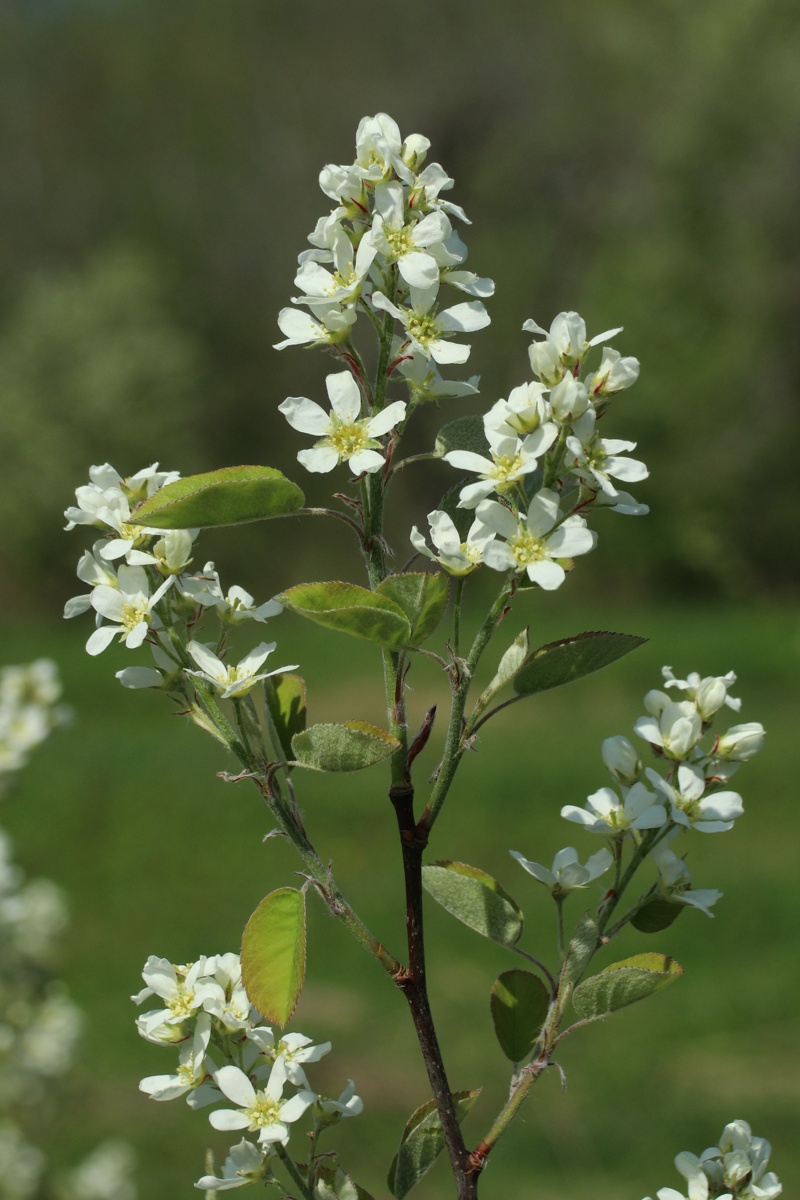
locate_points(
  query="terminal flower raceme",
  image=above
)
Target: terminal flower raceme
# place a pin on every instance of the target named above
(345, 435)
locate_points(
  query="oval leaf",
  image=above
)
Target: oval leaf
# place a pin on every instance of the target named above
(347, 747)
(422, 597)
(562, 662)
(286, 702)
(657, 914)
(422, 1143)
(351, 609)
(229, 496)
(274, 954)
(475, 899)
(519, 1004)
(624, 983)
(462, 433)
(581, 948)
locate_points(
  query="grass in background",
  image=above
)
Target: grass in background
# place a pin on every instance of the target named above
(159, 856)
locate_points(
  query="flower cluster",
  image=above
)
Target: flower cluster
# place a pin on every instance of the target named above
(385, 249)
(652, 807)
(228, 1054)
(29, 712)
(143, 590)
(734, 1169)
(543, 465)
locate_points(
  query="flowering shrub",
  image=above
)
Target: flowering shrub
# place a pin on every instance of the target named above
(535, 474)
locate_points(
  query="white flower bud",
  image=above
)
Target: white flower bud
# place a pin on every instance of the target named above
(621, 759)
(741, 742)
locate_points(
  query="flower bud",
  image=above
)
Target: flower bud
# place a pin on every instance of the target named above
(621, 759)
(741, 742)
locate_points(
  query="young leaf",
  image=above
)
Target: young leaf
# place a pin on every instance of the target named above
(229, 496)
(351, 609)
(422, 1143)
(347, 747)
(519, 1004)
(656, 914)
(507, 668)
(335, 1184)
(580, 950)
(475, 899)
(422, 597)
(624, 983)
(462, 433)
(563, 661)
(286, 700)
(274, 954)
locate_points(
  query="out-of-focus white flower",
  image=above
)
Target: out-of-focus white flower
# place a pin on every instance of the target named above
(344, 435)
(567, 873)
(106, 1174)
(606, 813)
(245, 1164)
(675, 882)
(690, 807)
(456, 557)
(622, 760)
(192, 1070)
(741, 742)
(613, 375)
(232, 681)
(348, 1104)
(673, 725)
(21, 1164)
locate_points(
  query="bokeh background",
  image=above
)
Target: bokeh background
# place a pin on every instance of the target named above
(158, 176)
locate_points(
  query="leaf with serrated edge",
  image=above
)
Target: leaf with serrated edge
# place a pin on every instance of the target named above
(422, 1143)
(624, 983)
(274, 954)
(350, 609)
(422, 597)
(286, 700)
(350, 746)
(475, 899)
(519, 1004)
(569, 659)
(462, 433)
(230, 496)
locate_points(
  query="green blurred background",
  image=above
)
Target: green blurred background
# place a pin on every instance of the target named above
(158, 176)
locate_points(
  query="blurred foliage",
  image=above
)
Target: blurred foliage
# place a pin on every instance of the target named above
(633, 161)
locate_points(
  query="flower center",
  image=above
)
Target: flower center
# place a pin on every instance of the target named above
(342, 280)
(526, 548)
(347, 440)
(506, 469)
(399, 239)
(182, 1004)
(422, 328)
(134, 612)
(263, 1111)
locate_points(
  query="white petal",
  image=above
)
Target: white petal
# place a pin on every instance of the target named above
(548, 575)
(101, 638)
(228, 1118)
(305, 415)
(344, 395)
(366, 461)
(418, 269)
(234, 1084)
(386, 419)
(319, 459)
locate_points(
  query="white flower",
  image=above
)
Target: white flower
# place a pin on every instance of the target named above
(95, 571)
(244, 1164)
(456, 557)
(171, 553)
(564, 346)
(708, 694)
(425, 382)
(345, 435)
(105, 1174)
(232, 681)
(428, 331)
(597, 460)
(348, 1104)
(293, 1048)
(264, 1110)
(675, 726)
(184, 991)
(407, 242)
(328, 325)
(623, 503)
(567, 872)
(708, 814)
(191, 1071)
(167, 674)
(675, 882)
(105, 482)
(605, 812)
(532, 541)
(235, 607)
(741, 742)
(568, 399)
(343, 284)
(522, 413)
(512, 459)
(622, 760)
(129, 605)
(613, 375)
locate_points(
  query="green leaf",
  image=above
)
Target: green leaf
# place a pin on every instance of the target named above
(351, 609)
(229, 496)
(624, 983)
(274, 954)
(519, 1005)
(422, 1143)
(463, 433)
(571, 658)
(286, 700)
(507, 668)
(422, 597)
(656, 914)
(347, 747)
(335, 1184)
(475, 899)
(580, 950)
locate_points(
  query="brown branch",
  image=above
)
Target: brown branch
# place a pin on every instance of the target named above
(412, 982)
